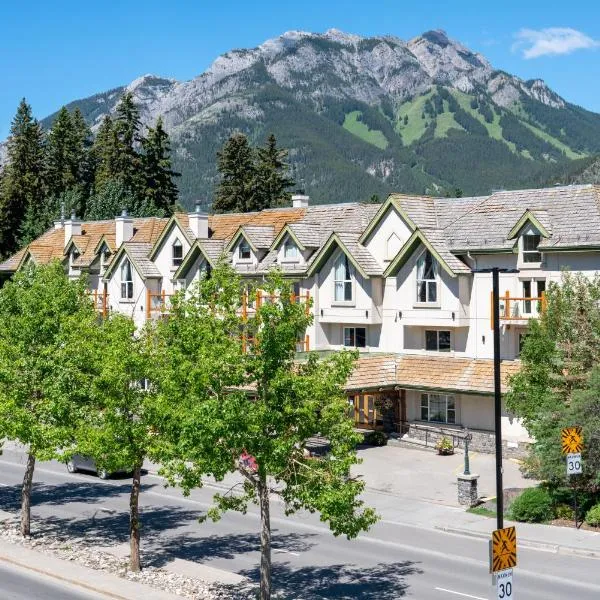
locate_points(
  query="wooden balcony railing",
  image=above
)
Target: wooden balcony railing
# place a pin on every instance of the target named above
(157, 304)
(100, 301)
(252, 302)
(518, 309)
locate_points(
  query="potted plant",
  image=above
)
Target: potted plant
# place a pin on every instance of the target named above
(444, 446)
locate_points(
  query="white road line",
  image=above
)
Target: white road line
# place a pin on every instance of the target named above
(439, 589)
(282, 551)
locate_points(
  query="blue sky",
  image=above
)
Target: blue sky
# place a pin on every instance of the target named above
(55, 52)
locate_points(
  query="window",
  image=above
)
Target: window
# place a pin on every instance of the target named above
(355, 337)
(244, 250)
(438, 341)
(104, 255)
(532, 289)
(438, 408)
(126, 280)
(177, 250)
(427, 272)
(530, 248)
(290, 250)
(343, 280)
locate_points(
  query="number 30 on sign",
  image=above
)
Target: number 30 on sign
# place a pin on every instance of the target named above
(504, 585)
(574, 464)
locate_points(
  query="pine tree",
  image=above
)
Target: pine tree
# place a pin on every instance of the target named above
(104, 154)
(23, 184)
(128, 160)
(160, 190)
(236, 166)
(272, 181)
(83, 146)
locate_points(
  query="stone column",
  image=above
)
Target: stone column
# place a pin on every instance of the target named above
(467, 490)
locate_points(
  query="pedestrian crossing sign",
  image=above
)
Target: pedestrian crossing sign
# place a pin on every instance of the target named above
(572, 440)
(504, 549)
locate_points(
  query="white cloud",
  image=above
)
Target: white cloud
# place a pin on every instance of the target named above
(552, 41)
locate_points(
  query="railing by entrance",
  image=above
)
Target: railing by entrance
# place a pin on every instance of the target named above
(518, 309)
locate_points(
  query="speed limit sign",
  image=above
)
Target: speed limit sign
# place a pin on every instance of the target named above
(574, 466)
(504, 585)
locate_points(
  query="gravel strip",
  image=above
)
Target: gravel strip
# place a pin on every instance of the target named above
(85, 552)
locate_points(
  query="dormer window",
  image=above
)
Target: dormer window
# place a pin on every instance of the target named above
(290, 250)
(427, 275)
(244, 251)
(343, 279)
(177, 253)
(103, 260)
(531, 253)
(126, 280)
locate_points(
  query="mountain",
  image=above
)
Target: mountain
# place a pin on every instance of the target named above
(363, 116)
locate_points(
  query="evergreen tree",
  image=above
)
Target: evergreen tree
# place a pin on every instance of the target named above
(104, 154)
(63, 154)
(83, 146)
(236, 165)
(272, 180)
(160, 190)
(23, 184)
(127, 138)
(109, 201)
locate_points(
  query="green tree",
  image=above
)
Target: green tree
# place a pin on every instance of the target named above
(44, 320)
(160, 190)
(272, 179)
(109, 201)
(23, 182)
(63, 154)
(115, 428)
(104, 153)
(236, 165)
(213, 427)
(557, 376)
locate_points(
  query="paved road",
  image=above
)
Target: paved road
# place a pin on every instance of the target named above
(21, 584)
(394, 560)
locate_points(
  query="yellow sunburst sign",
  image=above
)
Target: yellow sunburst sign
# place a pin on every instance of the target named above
(504, 549)
(572, 440)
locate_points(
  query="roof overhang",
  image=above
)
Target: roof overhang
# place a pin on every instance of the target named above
(391, 202)
(287, 230)
(115, 261)
(103, 240)
(173, 221)
(327, 250)
(240, 233)
(411, 244)
(528, 217)
(196, 250)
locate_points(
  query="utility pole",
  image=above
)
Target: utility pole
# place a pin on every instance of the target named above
(497, 398)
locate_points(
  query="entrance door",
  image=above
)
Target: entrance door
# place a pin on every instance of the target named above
(365, 412)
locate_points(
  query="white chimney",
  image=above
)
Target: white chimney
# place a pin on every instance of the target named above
(72, 227)
(198, 222)
(123, 228)
(300, 201)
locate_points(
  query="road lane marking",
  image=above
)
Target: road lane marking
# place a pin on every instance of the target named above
(283, 551)
(439, 589)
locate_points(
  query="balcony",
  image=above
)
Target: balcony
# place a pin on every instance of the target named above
(350, 315)
(518, 310)
(157, 304)
(100, 302)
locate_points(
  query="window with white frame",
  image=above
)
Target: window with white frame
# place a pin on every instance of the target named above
(290, 250)
(531, 253)
(343, 291)
(437, 341)
(177, 253)
(355, 337)
(438, 408)
(427, 276)
(126, 280)
(244, 252)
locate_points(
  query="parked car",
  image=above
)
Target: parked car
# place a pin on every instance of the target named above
(79, 462)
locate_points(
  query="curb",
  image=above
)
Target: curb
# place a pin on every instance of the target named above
(534, 545)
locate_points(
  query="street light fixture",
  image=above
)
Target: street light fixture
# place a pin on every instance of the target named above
(495, 271)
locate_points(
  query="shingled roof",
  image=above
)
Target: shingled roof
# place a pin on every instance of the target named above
(426, 372)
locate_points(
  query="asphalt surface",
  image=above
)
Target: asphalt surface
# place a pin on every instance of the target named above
(394, 560)
(21, 584)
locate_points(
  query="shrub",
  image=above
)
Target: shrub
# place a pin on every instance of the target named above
(376, 438)
(564, 511)
(532, 506)
(592, 517)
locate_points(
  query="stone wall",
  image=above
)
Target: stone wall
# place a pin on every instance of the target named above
(481, 441)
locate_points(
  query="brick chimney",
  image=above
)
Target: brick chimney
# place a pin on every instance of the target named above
(72, 227)
(198, 222)
(123, 228)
